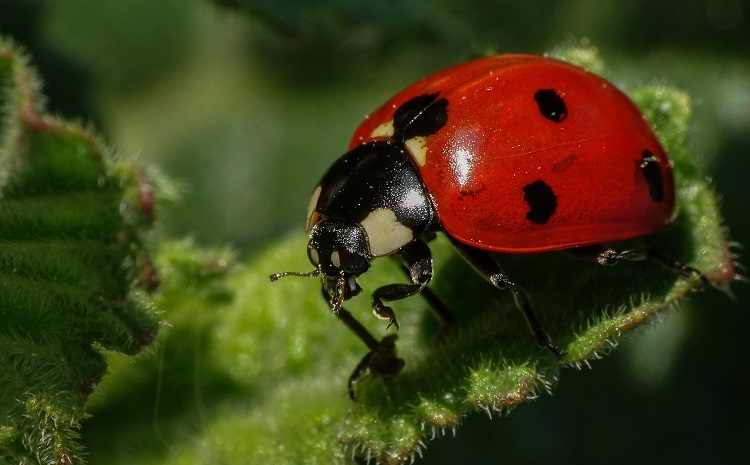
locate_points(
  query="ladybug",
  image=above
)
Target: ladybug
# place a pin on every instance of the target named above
(507, 154)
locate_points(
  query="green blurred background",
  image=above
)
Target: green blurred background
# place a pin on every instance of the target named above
(246, 102)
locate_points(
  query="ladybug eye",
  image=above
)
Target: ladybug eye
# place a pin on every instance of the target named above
(353, 263)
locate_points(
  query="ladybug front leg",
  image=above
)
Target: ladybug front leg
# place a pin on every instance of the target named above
(486, 266)
(608, 257)
(381, 359)
(418, 259)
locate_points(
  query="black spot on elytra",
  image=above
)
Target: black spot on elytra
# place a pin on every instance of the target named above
(654, 177)
(551, 105)
(542, 201)
(423, 115)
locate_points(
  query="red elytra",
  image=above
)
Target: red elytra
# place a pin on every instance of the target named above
(496, 143)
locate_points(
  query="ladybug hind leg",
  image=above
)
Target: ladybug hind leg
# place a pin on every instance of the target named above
(486, 266)
(606, 256)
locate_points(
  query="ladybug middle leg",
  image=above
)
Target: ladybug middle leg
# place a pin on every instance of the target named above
(439, 308)
(606, 256)
(418, 259)
(486, 266)
(441, 311)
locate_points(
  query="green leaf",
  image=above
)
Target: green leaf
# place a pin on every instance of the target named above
(73, 269)
(267, 364)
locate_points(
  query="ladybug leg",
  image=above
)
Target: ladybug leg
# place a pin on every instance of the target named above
(442, 312)
(486, 266)
(608, 257)
(381, 359)
(418, 259)
(679, 267)
(355, 326)
(381, 362)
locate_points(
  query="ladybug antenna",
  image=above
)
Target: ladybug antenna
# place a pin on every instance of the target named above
(284, 274)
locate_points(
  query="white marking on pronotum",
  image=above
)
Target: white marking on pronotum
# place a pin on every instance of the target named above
(417, 147)
(384, 130)
(385, 233)
(312, 215)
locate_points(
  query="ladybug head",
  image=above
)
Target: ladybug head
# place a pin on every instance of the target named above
(338, 249)
(340, 252)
